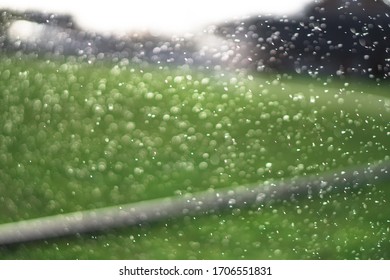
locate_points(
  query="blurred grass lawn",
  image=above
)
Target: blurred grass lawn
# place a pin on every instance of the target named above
(76, 136)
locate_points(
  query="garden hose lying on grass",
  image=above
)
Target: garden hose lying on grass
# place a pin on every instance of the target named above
(205, 202)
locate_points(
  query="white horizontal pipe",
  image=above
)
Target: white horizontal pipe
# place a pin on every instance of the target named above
(205, 202)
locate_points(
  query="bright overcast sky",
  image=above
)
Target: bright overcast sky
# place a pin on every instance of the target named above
(173, 16)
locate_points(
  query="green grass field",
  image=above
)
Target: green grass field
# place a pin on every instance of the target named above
(75, 136)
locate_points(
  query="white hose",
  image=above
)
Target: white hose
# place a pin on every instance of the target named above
(193, 204)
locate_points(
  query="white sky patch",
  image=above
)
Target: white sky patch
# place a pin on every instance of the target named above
(167, 16)
(24, 30)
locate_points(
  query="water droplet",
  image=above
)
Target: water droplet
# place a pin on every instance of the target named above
(98, 109)
(96, 193)
(203, 165)
(203, 115)
(138, 171)
(178, 79)
(205, 81)
(260, 171)
(102, 165)
(6, 74)
(149, 95)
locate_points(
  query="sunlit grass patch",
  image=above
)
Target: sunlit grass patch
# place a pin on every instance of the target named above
(76, 136)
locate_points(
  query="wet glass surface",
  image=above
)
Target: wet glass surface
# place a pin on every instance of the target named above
(90, 120)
